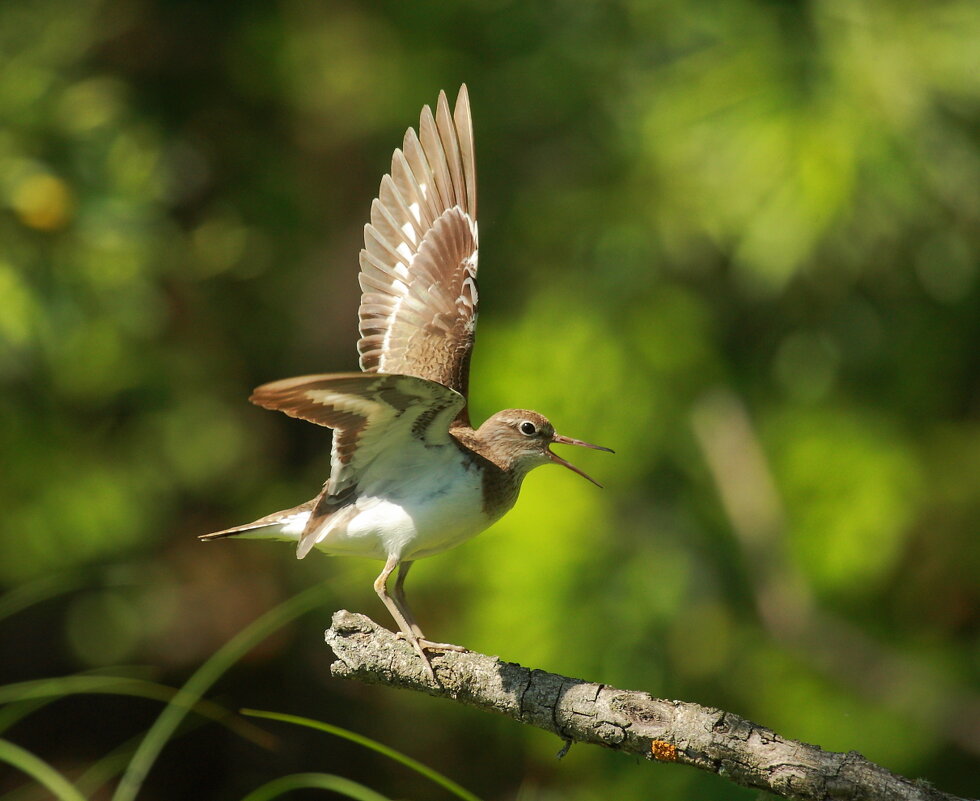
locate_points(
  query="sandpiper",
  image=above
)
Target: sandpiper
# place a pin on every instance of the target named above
(409, 476)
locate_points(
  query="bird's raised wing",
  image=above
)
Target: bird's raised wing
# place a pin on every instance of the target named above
(418, 266)
(369, 413)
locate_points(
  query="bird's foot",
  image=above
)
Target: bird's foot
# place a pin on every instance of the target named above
(421, 645)
(416, 643)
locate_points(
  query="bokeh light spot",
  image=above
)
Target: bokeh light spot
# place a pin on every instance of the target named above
(43, 201)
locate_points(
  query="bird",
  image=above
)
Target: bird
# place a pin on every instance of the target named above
(410, 476)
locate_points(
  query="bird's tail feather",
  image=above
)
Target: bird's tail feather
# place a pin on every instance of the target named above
(285, 526)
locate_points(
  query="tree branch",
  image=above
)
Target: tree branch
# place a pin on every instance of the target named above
(624, 720)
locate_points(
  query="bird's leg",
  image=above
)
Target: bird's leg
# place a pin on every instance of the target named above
(381, 587)
(398, 596)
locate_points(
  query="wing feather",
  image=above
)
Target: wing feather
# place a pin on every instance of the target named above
(446, 128)
(418, 266)
(463, 120)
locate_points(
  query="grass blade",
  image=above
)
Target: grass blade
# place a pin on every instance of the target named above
(206, 675)
(39, 770)
(46, 690)
(424, 770)
(18, 710)
(316, 781)
(107, 767)
(39, 590)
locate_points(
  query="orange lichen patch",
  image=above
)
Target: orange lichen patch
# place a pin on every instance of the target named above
(663, 751)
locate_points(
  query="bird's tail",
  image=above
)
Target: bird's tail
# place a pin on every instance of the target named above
(285, 526)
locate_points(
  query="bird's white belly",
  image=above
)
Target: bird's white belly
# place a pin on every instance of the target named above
(412, 510)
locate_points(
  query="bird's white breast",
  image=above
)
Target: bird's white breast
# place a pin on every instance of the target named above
(413, 501)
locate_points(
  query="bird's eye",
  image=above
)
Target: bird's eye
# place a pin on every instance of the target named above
(527, 427)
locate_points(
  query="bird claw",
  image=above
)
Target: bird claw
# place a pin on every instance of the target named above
(428, 666)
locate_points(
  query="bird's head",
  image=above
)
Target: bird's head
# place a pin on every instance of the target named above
(520, 440)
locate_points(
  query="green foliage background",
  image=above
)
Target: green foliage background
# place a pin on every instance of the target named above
(737, 242)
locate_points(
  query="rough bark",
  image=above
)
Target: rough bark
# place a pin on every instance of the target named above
(624, 720)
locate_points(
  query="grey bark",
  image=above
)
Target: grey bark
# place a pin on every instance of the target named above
(624, 720)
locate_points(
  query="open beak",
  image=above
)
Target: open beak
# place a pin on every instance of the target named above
(569, 441)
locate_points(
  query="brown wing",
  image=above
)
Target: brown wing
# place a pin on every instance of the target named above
(418, 267)
(369, 413)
